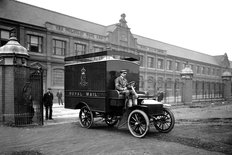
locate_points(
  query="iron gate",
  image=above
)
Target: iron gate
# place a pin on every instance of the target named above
(29, 107)
(207, 91)
(36, 80)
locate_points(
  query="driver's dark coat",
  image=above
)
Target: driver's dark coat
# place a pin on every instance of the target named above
(120, 83)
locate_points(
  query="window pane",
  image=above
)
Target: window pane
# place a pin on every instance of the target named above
(80, 49)
(58, 51)
(169, 65)
(177, 66)
(141, 82)
(34, 48)
(169, 83)
(34, 40)
(160, 64)
(150, 62)
(58, 43)
(97, 49)
(5, 34)
(59, 47)
(34, 43)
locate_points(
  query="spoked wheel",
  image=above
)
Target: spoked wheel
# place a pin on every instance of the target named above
(165, 122)
(138, 123)
(86, 117)
(111, 120)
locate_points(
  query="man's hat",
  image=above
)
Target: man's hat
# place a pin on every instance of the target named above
(123, 71)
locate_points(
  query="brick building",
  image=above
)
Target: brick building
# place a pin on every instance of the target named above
(50, 36)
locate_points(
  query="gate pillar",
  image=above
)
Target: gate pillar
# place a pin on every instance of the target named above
(186, 76)
(13, 76)
(226, 78)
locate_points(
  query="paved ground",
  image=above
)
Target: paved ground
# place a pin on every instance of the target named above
(62, 115)
(200, 129)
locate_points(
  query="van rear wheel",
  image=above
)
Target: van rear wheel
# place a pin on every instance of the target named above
(86, 117)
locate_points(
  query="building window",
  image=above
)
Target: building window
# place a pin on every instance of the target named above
(191, 66)
(141, 60)
(4, 37)
(198, 70)
(169, 65)
(141, 82)
(150, 82)
(59, 47)
(177, 66)
(177, 83)
(58, 77)
(150, 62)
(184, 65)
(34, 43)
(213, 72)
(203, 70)
(160, 64)
(97, 49)
(79, 49)
(169, 83)
(160, 82)
(209, 71)
(218, 72)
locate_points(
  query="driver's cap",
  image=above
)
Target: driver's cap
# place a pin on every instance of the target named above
(123, 71)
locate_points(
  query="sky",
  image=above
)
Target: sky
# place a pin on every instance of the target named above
(204, 26)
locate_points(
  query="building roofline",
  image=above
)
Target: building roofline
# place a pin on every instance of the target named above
(58, 13)
(173, 45)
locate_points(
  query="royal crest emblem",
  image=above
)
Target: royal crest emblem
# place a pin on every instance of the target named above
(83, 82)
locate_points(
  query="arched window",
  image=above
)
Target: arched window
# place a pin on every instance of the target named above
(160, 82)
(169, 83)
(58, 77)
(150, 82)
(141, 82)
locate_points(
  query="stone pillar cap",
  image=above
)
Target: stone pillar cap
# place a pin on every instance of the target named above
(226, 74)
(13, 47)
(187, 70)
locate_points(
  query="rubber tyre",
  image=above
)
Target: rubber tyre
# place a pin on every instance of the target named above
(86, 117)
(138, 123)
(164, 123)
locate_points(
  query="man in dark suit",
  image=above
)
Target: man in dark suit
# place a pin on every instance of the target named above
(48, 102)
(160, 95)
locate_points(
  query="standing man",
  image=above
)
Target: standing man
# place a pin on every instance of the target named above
(122, 86)
(160, 95)
(59, 96)
(48, 102)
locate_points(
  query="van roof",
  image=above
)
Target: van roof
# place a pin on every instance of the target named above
(119, 54)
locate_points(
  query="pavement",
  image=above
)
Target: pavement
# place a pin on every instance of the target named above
(62, 115)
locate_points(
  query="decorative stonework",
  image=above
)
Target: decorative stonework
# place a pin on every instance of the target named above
(123, 20)
(74, 32)
(151, 49)
(187, 73)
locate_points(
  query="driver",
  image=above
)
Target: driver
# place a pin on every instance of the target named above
(128, 90)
